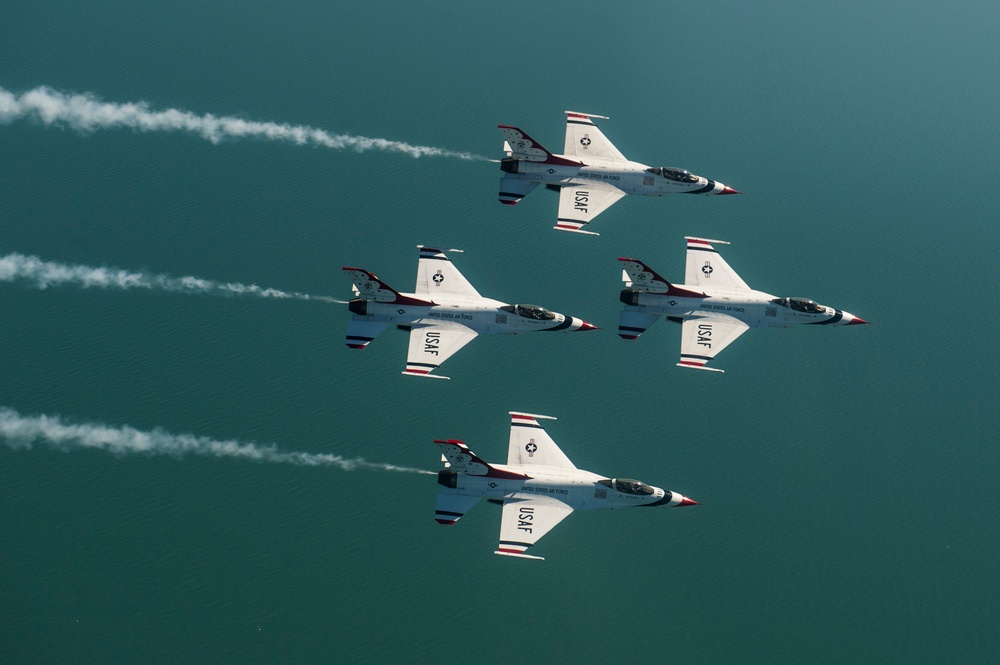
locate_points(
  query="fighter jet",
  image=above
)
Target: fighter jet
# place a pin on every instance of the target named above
(590, 176)
(537, 487)
(443, 314)
(714, 307)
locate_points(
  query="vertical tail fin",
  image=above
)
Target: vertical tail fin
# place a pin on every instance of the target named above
(521, 146)
(640, 277)
(370, 287)
(459, 458)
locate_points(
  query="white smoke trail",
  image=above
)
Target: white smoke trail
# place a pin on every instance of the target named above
(86, 113)
(21, 432)
(43, 274)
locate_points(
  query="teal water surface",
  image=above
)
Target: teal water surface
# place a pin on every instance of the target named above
(848, 476)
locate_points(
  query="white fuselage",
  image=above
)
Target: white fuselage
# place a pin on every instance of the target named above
(630, 177)
(579, 489)
(754, 308)
(483, 315)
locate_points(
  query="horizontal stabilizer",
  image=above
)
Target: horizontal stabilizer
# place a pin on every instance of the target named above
(451, 507)
(361, 331)
(632, 323)
(514, 188)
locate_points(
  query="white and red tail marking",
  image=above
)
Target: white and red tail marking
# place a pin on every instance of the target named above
(524, 147)
(462, 459)
(372, 288)
(637, 275)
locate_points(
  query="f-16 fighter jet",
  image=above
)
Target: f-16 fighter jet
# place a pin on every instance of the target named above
(590, 176)
(442, 315)
(537, 487)
(714, 307)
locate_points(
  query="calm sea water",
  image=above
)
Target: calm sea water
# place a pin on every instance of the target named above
(848, 476)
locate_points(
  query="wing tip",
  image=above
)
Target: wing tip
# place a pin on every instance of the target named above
(425, 374)
(525, 415)
(574, 229)
(692, 365)
(586, 115)
(519, 555)
(707, 241)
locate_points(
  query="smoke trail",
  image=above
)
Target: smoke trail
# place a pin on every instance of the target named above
(86, 113)
(43, 274)
(21, 432)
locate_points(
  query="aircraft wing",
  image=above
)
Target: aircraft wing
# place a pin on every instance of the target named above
(580, 204)
(704, 337)
(705, 267)
(584, 139)
(530, 444)
(525, 522)
(436, 274)
(432, 342)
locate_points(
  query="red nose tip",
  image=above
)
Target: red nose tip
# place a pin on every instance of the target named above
(588, 326)
(688, 502)
(856, 321)
(728, 190)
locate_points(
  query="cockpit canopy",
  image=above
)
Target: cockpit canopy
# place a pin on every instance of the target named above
(628, 486)
(800, 305)
(670, 173)
(531, 312)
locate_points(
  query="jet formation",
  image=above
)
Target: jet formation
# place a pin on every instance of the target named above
(537, 488)
(590, 176)
(443, 314)
(714, 307)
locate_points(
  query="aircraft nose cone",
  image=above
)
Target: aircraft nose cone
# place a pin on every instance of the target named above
(726, 189)
(687, 502)
(587, 326)
(855, 321)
